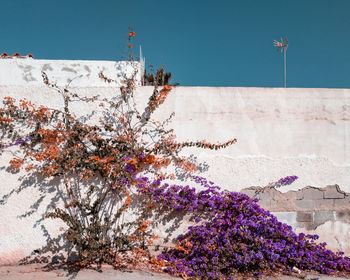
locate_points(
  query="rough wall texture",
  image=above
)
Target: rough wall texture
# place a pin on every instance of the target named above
(322, 211)
(27, 71)
(305, 199)
(280, 132)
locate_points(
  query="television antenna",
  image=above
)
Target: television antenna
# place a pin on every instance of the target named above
(282, 46)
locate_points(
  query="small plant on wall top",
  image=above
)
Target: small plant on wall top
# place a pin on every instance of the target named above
(121, 161)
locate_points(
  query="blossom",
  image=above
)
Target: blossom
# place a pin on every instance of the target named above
(236, 234)
(19, 141)
(283, 181)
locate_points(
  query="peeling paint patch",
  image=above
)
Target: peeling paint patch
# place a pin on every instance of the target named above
(311, 220)
(305, 199)
(308, 207)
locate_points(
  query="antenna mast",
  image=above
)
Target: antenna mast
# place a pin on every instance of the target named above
(282, 46)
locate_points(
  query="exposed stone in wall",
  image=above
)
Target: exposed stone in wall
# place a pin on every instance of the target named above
(308, 208)
(306, 199)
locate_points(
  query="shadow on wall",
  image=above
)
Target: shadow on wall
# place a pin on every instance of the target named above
(56, 248)
(43, 195)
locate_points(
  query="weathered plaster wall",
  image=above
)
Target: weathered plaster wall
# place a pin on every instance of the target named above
(76, 73)
(280, 132)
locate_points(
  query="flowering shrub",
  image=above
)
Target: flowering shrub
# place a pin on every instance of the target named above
(97, 165)
(234, 234)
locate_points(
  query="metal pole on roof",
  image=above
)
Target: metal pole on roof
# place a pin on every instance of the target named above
(282, 46)
(285, 68)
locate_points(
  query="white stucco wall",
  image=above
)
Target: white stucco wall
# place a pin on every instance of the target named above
(280, 132)
(76, 73)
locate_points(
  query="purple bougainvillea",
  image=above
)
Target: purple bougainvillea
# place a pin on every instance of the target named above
(19, 141)
(287, 180)
(234, 234)
(283, 182)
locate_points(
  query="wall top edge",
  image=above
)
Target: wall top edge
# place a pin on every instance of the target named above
(267, 88)
(198, 88)
(61, 60)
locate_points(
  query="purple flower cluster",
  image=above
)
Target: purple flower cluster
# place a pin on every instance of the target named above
(234, 234)
(19, 141)
(283, 181)
(287, 180)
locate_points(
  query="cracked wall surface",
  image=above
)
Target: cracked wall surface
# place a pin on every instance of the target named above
(323, 211)
(306, 199)
(280, 132)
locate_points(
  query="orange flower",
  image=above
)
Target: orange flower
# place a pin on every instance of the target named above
(30, 167)
(52, 152)
(2, 119)
(50, 136)
(188, 166)
(150, 206)
(144, 225)
(166, 88)
(132, 161)
(132, 34)
(128, 201)
(16, 163)
(86, 175)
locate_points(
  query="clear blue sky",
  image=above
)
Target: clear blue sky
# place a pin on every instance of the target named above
(203, 43)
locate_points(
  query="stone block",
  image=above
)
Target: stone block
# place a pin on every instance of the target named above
(333, 192)
(266, 204)
(305, 204)
(304, 216)
(300, 194)
(342, 203)
(312, 193)
(343, 216)
(283, 205)
(307, 225)
(288, 218)
(249, 192)
(324, 204)
(320, 217)
(264, 195)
